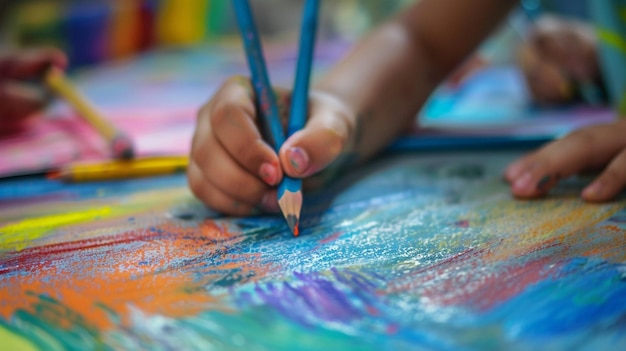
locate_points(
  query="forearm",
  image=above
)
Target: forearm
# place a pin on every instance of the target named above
(388, 76)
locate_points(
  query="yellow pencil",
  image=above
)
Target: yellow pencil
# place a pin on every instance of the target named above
(121, 145)
(121, 169)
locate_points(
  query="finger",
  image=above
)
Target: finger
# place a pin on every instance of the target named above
(234, 123)
(546, 83)
(18, 103)
(515, 169)
(569, 44)
(212, 196)
(535, 174)
(610, 182)
(311, 149)
(220, 169)
(31, 63)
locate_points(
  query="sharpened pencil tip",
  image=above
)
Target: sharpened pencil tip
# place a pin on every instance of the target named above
(290, 204)
(292, 221)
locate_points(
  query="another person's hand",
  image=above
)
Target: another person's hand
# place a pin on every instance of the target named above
(591, 148)
(234, 171)
(558, 54)
(19, 101)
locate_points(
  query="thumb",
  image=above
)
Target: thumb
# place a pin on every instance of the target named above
(322, 140)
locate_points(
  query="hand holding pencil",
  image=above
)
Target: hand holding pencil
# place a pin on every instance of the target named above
(235, 171)
(21, 93)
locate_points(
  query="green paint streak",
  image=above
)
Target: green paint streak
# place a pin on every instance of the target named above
(14, 340)
(53, 326)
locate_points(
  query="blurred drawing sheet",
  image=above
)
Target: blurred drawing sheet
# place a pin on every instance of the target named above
(495, 102)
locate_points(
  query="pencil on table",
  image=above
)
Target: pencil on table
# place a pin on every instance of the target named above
(120, 143)
(290, 189)
(121, 169)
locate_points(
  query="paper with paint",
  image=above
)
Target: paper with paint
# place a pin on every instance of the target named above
(416, 252)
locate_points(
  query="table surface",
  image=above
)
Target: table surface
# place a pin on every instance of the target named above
(414, 251)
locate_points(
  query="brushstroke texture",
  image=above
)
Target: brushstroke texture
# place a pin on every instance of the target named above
(412, 252)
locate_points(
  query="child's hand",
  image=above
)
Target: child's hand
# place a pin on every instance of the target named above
(234, 171)
(596, 147)
(18, 101)
(557, 54)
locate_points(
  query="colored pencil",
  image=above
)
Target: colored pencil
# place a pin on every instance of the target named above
(121, 169)
(120, 143)
(267, 105)
(289, 190)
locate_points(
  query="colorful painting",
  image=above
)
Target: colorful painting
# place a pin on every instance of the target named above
(413, 252)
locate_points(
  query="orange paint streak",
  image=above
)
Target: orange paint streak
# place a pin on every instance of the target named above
(148, 272)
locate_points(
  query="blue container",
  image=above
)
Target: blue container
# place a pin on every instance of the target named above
(85, 27)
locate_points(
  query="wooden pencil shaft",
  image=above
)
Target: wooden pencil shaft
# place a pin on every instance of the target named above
(300, 96)
(266, 99)
(57, 81)
(124, 169)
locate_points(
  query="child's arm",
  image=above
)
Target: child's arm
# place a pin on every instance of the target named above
(19, 101)
(356, 109)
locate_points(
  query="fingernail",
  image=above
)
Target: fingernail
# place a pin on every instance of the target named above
(594, 190)
(523, 183)
(298, 159)
(268, 173)
(269, 203)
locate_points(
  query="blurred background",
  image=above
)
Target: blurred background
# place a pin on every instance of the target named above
(94, 31)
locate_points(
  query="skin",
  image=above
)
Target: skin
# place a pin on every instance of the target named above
(369, 98)
(558, 53)
(19, 102)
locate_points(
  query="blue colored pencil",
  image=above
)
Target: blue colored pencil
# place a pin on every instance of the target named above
(289, 190)
(266, 99)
